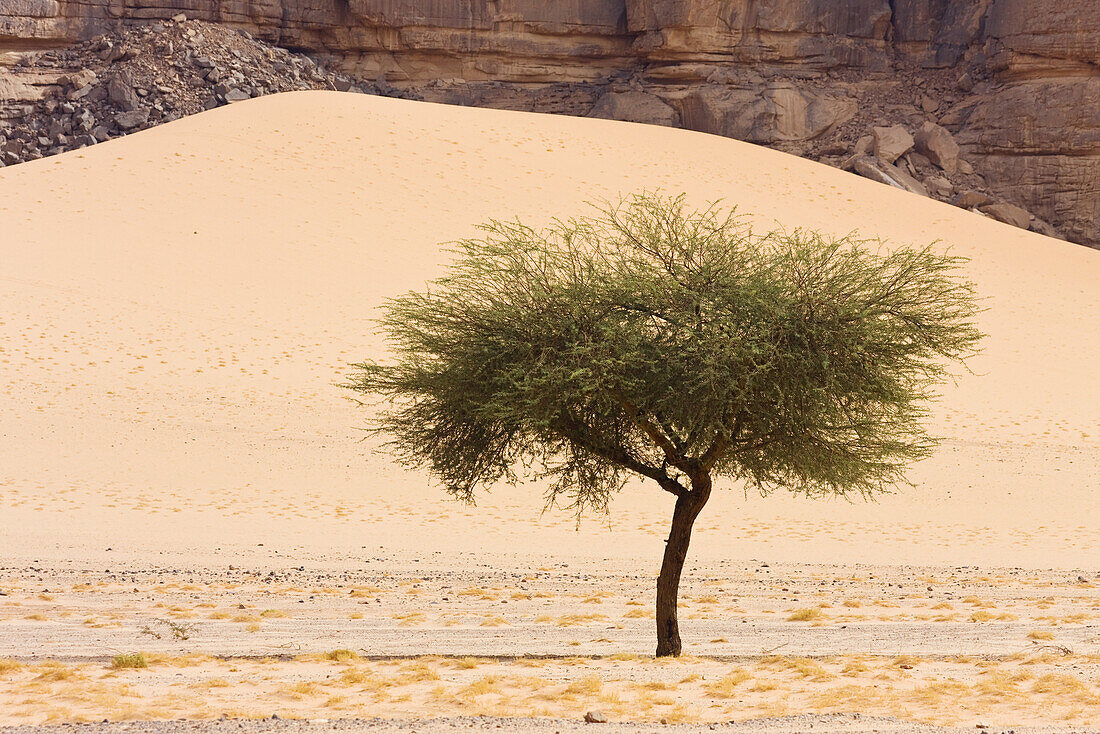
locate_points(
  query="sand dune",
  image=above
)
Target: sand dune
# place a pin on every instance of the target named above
(177, 306)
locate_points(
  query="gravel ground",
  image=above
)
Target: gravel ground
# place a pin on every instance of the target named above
(818, 724)
(730, 611)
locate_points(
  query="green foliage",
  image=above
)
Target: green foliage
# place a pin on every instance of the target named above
(671, 343)
(129, 660)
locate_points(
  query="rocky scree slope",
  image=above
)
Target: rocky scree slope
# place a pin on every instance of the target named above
(1014, 82)
(142, 76)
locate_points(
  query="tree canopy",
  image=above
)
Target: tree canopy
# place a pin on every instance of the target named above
(652, 339)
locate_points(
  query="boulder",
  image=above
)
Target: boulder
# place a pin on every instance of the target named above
(237, 95)
(1009, 214)
(79, 79)
(939, 146)
(805, 114)
(1044, 228)
(972, 200)
(120, 92)
(80, 93)
(781, 113)
(918, 160)
(595, 717)
(939, 186)
(890, 143)
(133, 118)
(879, 170)
(85, 121)
(635, 107)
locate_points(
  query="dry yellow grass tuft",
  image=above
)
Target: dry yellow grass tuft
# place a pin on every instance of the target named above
(624, 657)
(213, 683)
(51, 671)
(576, 620)
(589, 685)
(482, 686)
(804, 667)
(341, 655)
(934, 693)
(906, 661)
(1066, 687)
(178, 661)
(727, 685)
(467, 663)
(409, 619)
(298, 691)
(854, 667)
(805, 615)
(417, 671)
(359, 677)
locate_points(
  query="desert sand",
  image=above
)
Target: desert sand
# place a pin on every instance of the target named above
(179, 306)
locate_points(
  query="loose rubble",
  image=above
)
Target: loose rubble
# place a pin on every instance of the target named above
(145, 76)
(927, 162)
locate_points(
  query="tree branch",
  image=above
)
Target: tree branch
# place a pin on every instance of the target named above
(722, 442)
(581, 434)
(675, 458)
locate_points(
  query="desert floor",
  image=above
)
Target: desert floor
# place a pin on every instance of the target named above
(499, 636)
(182, 477)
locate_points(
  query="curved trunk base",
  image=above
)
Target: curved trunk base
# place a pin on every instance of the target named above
(688, 506)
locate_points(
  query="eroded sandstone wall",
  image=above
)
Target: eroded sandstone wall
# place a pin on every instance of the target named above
(1016, 81)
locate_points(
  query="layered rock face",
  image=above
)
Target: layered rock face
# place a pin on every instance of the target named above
(1037, 132)
(1017, 82)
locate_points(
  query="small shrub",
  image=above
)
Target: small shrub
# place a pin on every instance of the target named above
(129, 660)
(341, 655)
(805, 615)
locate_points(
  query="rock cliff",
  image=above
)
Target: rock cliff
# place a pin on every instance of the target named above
(1015, 82)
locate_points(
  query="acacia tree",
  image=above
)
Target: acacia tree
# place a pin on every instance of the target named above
(654, 340)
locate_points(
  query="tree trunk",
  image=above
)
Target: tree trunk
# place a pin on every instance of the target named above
(688, 506)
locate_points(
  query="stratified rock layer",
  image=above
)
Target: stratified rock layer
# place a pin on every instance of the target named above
(1016, 82)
